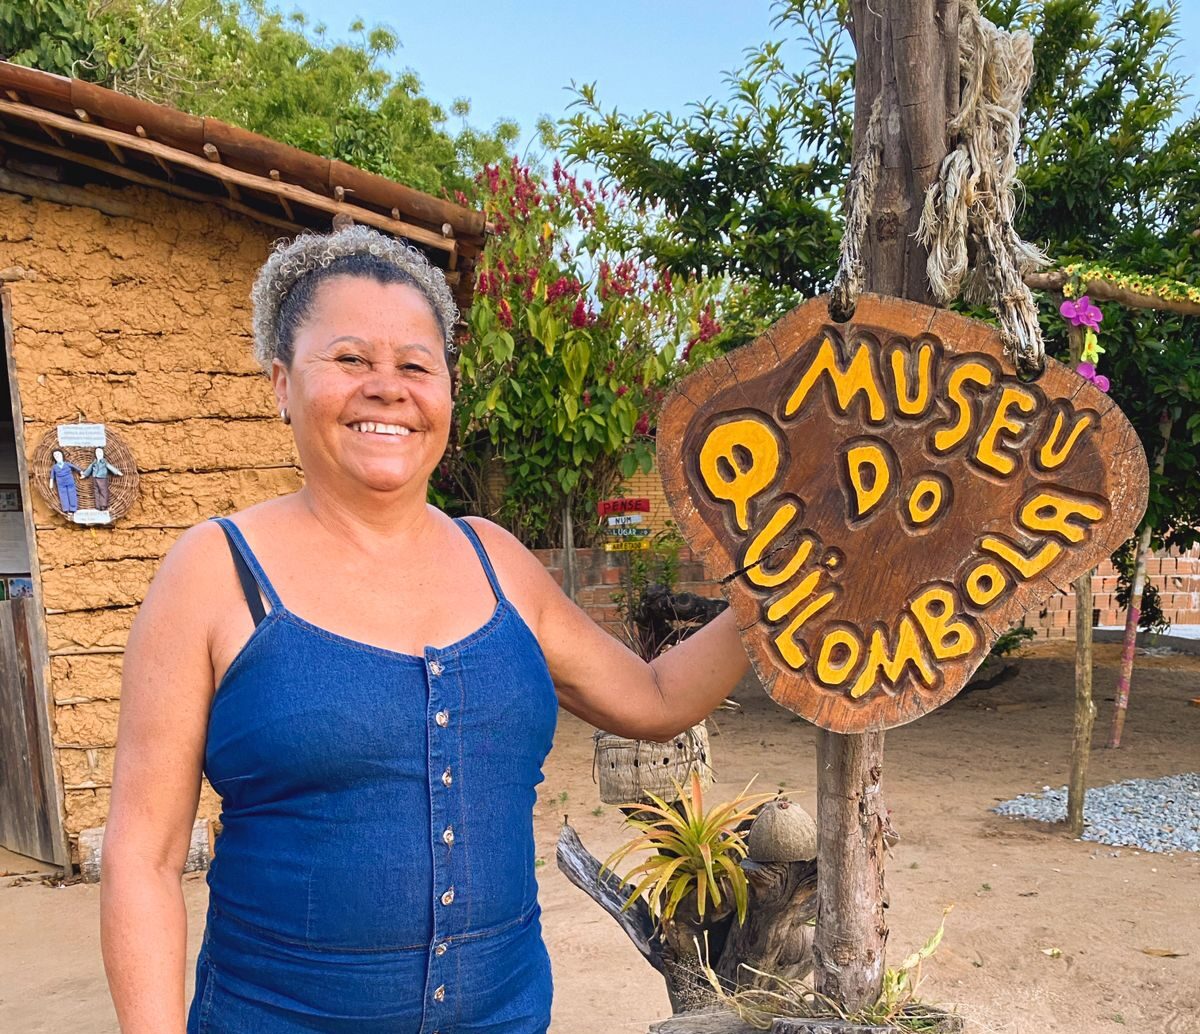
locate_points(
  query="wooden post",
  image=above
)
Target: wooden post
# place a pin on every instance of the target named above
(1085, 707)
(907, 58)
(1133, 614)
(570, 575)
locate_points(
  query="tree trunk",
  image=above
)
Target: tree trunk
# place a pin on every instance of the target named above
(908, 60)
(1085, 707)
(1133, 615)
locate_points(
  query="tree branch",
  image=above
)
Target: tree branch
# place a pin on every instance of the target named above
(1102, 290)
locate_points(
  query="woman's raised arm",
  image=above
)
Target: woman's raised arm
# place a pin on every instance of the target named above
(600, 679)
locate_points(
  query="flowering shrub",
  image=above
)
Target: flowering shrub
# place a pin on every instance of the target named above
(572, 342)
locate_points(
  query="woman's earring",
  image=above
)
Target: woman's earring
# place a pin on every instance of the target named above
(283, 415)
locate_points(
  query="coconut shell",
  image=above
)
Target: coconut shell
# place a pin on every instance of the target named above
(782, 832)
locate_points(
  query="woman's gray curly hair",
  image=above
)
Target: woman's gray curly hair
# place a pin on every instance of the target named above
(284, 289)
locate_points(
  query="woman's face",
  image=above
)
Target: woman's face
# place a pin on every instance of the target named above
(368, 390)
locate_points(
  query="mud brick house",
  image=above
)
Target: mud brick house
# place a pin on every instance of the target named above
(130, 234)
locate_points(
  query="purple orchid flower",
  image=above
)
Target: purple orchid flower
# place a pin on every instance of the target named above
(1088, 372)
(1082, 312)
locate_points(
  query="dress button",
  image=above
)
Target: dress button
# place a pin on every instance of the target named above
(448, 897)
(447, 778)
(435, 668)
(442, 718)
(448, 836)
(440, 950)
(440, 993)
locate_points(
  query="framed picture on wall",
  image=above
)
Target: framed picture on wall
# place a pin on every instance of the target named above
(10, 498)
(3, 589)
(19, 587)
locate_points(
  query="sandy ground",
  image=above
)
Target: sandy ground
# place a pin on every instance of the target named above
(1018, 889)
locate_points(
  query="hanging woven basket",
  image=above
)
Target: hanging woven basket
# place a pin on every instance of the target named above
(122, 490)
(628, 770)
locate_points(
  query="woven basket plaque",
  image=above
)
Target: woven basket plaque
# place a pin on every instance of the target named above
(77, 498)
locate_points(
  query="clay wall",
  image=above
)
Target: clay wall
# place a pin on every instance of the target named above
(141, 324)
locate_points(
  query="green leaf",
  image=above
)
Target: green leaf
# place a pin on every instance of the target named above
(576, 355)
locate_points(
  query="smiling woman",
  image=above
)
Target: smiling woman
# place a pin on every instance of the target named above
(374, 715)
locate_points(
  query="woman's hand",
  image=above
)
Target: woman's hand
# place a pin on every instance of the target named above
(166, 689)
(600, 679)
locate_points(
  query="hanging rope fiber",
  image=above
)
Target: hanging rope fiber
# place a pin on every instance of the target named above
(860, 196)
(967, 220)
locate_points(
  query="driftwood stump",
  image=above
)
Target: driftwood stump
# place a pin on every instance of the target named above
(776, 937)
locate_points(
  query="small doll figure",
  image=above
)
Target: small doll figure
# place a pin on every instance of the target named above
(62, 480)
(98, 470)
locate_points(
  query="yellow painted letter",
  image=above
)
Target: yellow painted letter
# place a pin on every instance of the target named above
(1051, 454)
(948, 637)
(1052, 512)
(985, 581)
(976, 373)
(986, 452)
(908, 402)
(891, 666)
(1026, 566)
(737, 461)
(868, 489)
(857, 376)
(926, 500)
(831, 671)
(764, 542)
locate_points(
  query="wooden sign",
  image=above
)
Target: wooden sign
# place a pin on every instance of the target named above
(883, 498)
(607, 506)
(620, 521)
(626, 545)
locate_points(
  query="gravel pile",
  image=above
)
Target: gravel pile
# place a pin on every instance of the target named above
(1149, 814)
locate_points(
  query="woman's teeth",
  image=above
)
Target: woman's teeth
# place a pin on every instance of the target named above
(370, 427)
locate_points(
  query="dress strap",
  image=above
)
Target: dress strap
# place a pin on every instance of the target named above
(250, 572)
(483, 557)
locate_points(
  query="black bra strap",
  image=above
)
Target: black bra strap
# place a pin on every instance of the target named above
(249, 585)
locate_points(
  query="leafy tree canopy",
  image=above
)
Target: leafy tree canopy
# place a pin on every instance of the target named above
(245, 63)
(750, 186)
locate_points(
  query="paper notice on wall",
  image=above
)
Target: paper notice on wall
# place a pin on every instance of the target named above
(85, 435)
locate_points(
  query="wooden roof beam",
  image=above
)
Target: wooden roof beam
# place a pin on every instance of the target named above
(133, 176)
(245, 180)
(283, 202)
(167, 170)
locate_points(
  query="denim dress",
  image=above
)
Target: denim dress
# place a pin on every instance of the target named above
(375, 870)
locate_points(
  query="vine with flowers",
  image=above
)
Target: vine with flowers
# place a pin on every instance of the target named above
(573, 340)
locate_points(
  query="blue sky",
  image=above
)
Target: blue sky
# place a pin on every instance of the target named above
(514, 59)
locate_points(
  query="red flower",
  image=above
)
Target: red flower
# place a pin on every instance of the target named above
(580, 317)
(622, 390)
(587, 398)
(505, 313)
(643, 425)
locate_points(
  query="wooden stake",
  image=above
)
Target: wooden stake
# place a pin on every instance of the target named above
(1085, 707)
(1133, 615)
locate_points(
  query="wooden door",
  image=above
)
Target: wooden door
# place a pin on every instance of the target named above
(30, 796)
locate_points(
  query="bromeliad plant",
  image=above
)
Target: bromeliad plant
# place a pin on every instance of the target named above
(692, 852)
